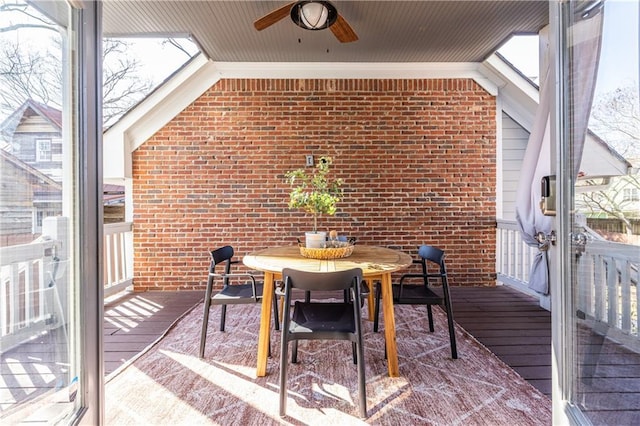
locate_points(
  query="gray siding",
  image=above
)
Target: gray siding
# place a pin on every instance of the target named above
(514, 143)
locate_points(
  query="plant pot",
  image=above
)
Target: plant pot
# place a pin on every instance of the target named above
(315, 239)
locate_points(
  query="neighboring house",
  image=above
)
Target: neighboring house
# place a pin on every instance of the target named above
(630, 191)
(32, 137)
(430, 156)
(27, 197)
(612, 205)
(611, 196)
(33, 134)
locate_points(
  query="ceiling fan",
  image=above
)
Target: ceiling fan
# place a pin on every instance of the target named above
(311, 15)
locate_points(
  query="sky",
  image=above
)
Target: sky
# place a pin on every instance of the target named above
(619, 52)
(158, 61)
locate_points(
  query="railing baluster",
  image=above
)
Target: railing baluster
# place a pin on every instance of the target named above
(24, 281)
(13, 297)
(4, 287)
(599, 294)
(613, 296)
(625, 282)
(108, 262)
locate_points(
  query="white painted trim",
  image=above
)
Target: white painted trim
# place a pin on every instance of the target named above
(499, 159)
(150, 115)
(172, 102)
(519, 97)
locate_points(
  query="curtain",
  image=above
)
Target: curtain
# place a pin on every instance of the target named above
(586, 37)
(584, 50)
(535, 165)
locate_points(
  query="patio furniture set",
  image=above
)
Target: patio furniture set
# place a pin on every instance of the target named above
(364, 275)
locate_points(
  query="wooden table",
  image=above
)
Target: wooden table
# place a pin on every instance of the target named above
(377, 264)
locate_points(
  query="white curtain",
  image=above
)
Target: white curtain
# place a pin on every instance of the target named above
(586, 36)
(536, 164)
(584, 51)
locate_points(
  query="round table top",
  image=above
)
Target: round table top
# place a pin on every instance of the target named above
(372, 260)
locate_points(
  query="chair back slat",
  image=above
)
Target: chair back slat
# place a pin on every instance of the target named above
(432, 254)
(222, 254)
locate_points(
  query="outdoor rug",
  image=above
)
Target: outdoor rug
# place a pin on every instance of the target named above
(170, 385)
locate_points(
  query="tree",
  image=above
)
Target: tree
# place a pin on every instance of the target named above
(616, 118)
(26, 74)
(36, 73)
(618, 201)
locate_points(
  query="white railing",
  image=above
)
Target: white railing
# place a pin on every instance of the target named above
(118, 257)
(608, 278)
(513, 256)
(608, 291)
(33, 284)
(27, 292)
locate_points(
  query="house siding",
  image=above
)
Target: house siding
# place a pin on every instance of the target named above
(514, 144)
(19, 189)
(32, 128)
(418, 158)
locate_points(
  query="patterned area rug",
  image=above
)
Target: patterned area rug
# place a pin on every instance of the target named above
(170, 385)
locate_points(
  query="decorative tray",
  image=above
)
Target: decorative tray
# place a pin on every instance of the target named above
(340, 250)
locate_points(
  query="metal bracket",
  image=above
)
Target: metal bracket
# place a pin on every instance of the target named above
(545, 240)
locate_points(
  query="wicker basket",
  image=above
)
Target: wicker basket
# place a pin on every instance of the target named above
(344, 250)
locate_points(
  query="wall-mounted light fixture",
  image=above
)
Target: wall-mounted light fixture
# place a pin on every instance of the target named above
(314, 14)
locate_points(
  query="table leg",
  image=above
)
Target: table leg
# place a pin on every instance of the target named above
(371, 299)
(389, 326)
(265, 324)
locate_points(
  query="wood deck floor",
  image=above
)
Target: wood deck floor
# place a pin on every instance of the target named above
(503, 319)
(136, 320)
(512, 325)
(508, 322)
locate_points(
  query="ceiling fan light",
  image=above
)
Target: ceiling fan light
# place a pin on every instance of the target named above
(314, 14)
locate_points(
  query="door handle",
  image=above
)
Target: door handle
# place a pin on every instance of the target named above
(579, 241)
(545, 240)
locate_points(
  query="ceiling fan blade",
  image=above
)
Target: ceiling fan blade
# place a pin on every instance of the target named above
(273, 17)
(343, 31)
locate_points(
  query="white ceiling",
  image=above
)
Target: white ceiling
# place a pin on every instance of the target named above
(388, 31)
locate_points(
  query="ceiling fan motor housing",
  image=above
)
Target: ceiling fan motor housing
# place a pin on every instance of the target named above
(313, 14)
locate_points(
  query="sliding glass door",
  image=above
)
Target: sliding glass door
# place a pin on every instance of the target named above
(595, 304)
(50, 223)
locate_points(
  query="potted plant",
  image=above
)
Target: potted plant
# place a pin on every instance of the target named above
(315, 193)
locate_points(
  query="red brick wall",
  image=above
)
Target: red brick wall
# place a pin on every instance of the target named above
(418, 158)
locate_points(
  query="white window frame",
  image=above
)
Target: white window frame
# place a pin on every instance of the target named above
(631, 194)
(43, 154)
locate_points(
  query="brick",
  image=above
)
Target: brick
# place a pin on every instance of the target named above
(418, 158)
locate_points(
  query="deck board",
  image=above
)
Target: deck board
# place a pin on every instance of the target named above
(135, 321)
(506, 321)
(510, 324)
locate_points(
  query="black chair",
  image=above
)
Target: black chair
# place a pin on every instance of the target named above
(341, 239)
(322, 321)
(233, 291)
(421, 294)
